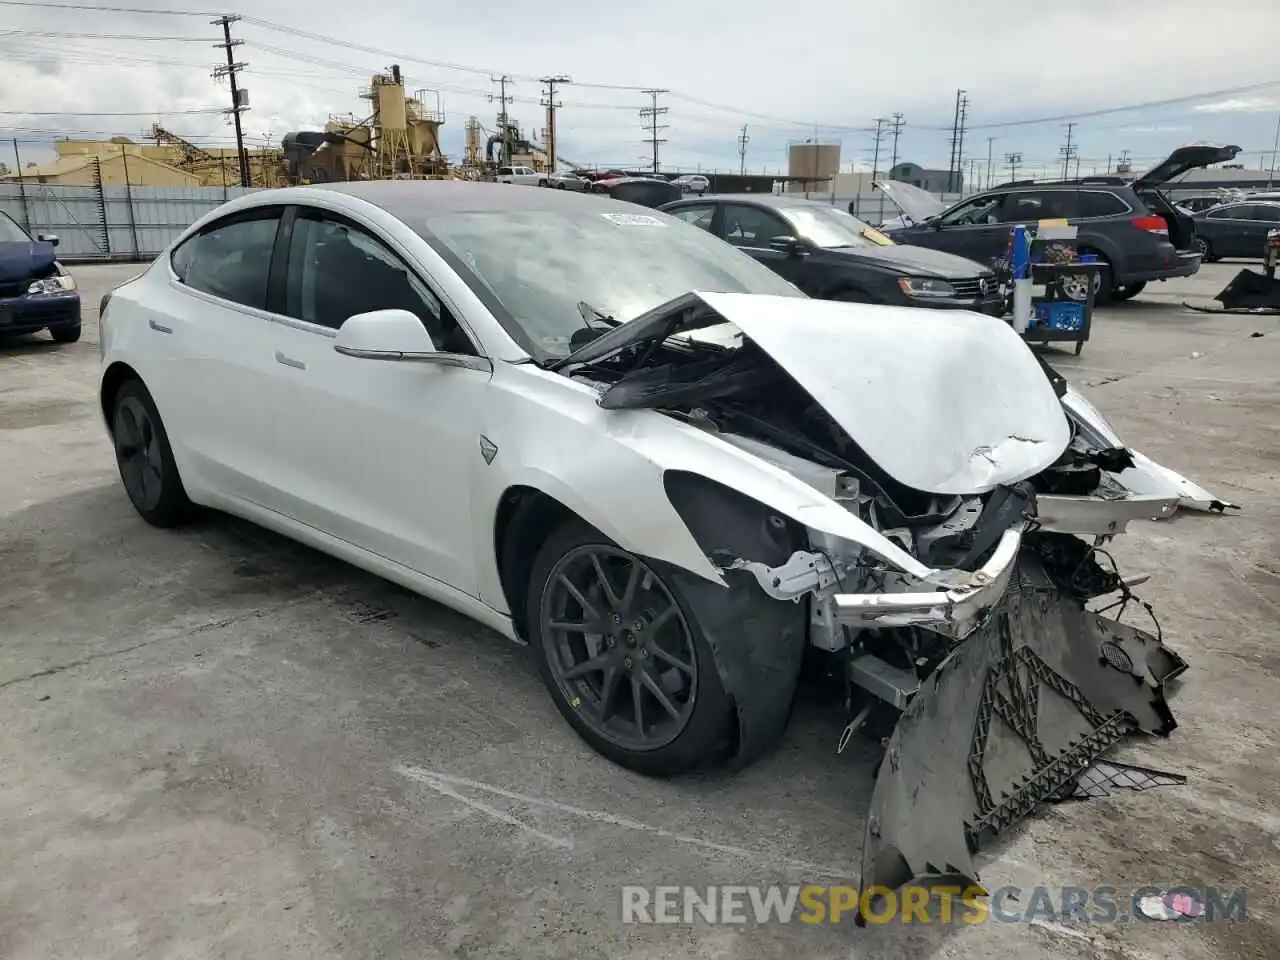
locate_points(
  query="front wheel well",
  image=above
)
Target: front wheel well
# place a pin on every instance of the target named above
(116, 376)
(526, 517)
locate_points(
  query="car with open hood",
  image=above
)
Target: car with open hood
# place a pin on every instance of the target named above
(615, 438)
(36, 291)
(1128, 224)
(833, 255)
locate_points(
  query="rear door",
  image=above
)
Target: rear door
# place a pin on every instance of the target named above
(1233, 232)
(1263, 217)
(216, 331)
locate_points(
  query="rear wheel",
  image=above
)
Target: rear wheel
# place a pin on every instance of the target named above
(623, 657)
(1103, 280)
(1206, 250)
(147, 466)
(1129, 291)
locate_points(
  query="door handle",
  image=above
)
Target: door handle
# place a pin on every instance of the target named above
(289, 361)
(159, 328)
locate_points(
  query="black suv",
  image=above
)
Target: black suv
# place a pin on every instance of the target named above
(1129, 224)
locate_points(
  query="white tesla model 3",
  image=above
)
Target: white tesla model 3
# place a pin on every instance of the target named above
(606, 433)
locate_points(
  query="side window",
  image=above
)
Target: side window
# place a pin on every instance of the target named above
(1039, 205)
(978, 210)
(230, 259)
(1096, 203)
(336, 271)
(1237, 211)
(1267, 212)
(700, 215)
(753, 227)
(504, 171)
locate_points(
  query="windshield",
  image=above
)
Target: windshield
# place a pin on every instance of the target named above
(10, 232)
(539, 264)
(832, 227)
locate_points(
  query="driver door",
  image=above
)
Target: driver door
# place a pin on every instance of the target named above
(970, 229)
(750, 228)
(381, 454)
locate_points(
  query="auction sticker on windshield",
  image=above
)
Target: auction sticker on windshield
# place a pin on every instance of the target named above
(633, 219)
(876, 237)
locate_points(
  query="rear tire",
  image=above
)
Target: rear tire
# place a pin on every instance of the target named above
(1104, 280)
(65, 334)
(148, 469)
(646, 637)
(1206, 251)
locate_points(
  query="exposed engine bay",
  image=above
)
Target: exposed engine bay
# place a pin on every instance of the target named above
(996, 646)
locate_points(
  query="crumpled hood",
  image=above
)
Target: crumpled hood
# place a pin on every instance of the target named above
(24, 260)
(946, 402)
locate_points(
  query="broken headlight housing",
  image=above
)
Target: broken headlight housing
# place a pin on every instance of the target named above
(60, 282)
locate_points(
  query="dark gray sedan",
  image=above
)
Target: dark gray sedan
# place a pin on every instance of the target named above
(1236, 229)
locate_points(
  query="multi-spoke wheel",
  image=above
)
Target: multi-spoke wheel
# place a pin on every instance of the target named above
(147, 467)
(624, 660)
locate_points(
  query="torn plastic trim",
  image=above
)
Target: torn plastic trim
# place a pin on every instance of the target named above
(956, 611)
(1092, 516)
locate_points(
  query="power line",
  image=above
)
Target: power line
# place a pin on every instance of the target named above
(239, 98)
(98, 8)
(59, 34)
(127, 113)
(651, 113)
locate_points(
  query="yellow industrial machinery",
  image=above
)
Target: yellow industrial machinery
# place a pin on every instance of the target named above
(216, 166)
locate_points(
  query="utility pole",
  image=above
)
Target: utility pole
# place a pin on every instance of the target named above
(964, 115)
(896, 125)
(1068, 151)
(1013, 159)
(650, 115)
(549, 101)
(1275, 146)
(875, 161)
(239, 98)
(743, 140)
(990, 141)
(504, 120)
(954, 164)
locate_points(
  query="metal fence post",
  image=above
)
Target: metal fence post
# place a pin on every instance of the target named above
(22, 188)
(128, 199)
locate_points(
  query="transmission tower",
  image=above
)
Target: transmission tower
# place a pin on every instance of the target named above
(239, 98)
(552, 104)
(743, 140)
(1068, 151)
(1013, 159)
(650, 115)
(896, 124)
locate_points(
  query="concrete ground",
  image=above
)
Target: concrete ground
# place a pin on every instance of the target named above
(214, 743)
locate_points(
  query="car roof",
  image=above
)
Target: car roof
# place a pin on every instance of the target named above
(410, 198)
(779, 201)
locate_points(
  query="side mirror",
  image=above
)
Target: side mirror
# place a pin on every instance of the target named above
(385, 335)
(397, 335)
(790, 245)
(48, 238)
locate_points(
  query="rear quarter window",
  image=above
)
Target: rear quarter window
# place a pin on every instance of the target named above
(1096, 203)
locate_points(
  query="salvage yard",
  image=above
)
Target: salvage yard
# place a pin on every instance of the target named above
(216, 743)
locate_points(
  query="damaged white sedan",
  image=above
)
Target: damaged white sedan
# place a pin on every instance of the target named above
(604, 432)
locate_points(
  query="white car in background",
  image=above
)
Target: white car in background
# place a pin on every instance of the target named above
(692, 183)
(609, 435)
(523, 175)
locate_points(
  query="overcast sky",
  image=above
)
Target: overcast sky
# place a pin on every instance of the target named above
(783, 73)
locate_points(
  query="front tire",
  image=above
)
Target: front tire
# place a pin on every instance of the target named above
(148, 469)
(65, 334)
(623, 657)
(1206, 251)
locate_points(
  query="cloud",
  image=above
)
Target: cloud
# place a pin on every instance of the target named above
(725, 64)
(1239, 105)
(1155, 128)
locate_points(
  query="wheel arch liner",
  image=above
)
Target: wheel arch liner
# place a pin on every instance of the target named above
(1012, 717)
